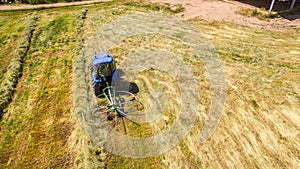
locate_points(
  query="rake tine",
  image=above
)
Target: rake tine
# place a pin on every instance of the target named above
(83, 117)
(116, 122)
(98, 108)
(106, 117)
(133, 121)
(92, 112)
(123, 103)
(127, 117)
(124, 125)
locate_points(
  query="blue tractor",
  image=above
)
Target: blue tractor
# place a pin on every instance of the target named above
(103, 71)
(111, 103)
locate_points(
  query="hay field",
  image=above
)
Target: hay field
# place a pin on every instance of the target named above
(42, 126)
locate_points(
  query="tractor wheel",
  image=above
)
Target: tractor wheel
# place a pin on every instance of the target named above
(97, 89)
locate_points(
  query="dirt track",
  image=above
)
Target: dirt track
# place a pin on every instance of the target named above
(227, 11)
(25, 6)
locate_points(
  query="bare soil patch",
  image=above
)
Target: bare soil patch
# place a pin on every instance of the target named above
(228, 11)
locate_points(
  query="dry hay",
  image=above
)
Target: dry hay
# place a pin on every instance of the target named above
(162, 46)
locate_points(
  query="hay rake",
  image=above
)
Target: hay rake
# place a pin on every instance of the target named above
(111, 105)
(114, 105)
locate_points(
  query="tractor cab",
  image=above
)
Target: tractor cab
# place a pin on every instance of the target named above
(103, 71)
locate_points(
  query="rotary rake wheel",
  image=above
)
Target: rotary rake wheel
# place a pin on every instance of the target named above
(114, 105)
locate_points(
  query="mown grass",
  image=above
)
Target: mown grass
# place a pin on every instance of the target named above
(11, 28)
(14, 68)
(261, 13)
(262, 72)
(95, 19)
(38, 122)
(156, 7)
(257, 129)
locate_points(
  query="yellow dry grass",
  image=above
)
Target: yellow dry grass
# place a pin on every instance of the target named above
(259, 127)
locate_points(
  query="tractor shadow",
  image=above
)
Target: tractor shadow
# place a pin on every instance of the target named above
(123, 84)
(134, 106)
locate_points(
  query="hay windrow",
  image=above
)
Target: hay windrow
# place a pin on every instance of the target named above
(14, 70)
(85, 149)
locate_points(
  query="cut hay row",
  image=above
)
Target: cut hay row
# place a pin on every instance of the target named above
(79, 140)
(14, 70)
(36, 129)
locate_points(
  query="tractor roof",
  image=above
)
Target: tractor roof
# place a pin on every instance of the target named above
(102, 58)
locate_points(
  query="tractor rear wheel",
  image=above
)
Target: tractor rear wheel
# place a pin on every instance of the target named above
(97, 89)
